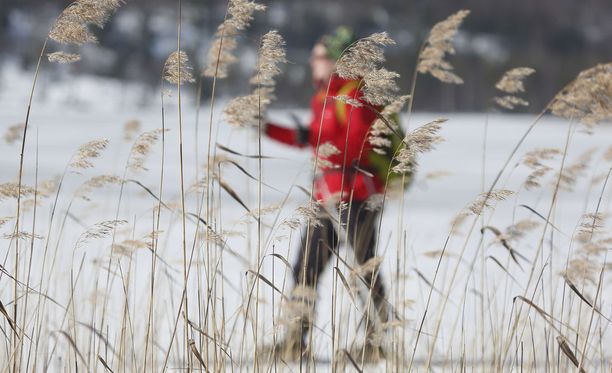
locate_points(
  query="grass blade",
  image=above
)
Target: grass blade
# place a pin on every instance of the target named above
(353, 362)
(232, 193)
(268, 282)
(196, 353)
(564, 346)
(105, 364)
(346, 286)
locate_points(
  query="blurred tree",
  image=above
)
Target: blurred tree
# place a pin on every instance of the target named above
(557, 38)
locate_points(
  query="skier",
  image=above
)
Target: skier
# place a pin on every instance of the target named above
(344, 177)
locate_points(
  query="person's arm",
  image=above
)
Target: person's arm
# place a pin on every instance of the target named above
(297, 137)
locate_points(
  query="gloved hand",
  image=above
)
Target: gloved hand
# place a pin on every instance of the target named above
(302, 133)
(298, 135)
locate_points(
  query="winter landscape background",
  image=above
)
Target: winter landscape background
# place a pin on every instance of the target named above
(557, 38)
(117, 82)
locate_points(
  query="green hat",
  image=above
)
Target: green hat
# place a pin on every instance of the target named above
(338, 41)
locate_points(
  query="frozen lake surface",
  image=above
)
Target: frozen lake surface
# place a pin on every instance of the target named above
(67, 114)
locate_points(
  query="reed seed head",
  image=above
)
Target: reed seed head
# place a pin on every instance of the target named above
(97, 182)
(99, 230)
(380, 87)
(325, 151)
(220, 56)
(87, 152)
(11, 190)
(421, 140)
(588, 98)
(484, 200)
(512, 80)
(62, 57)
(510, 102)
(271, 55)
(141, 149)
(177, 69)
(571, 173)
(130, 128)
(246, 111)
(363, 56)
(14, 133)
(362, 60)
(438, 45)
(380, 131)
(71, 26)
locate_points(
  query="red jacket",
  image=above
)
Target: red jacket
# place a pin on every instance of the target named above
(333, 120)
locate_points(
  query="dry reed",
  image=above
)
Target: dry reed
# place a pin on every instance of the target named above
(501, 334)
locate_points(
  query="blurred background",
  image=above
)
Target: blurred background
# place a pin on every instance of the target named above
(558, 38)
(116, 87)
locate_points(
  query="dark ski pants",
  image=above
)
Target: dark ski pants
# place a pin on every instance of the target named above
(322, 242)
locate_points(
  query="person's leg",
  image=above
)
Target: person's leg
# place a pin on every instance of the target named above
(362, 224)
(361, 229)
(298, 312)
(315, 251)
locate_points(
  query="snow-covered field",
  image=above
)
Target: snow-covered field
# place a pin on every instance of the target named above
(69, 112)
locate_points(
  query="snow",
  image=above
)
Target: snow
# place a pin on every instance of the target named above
(69, 112)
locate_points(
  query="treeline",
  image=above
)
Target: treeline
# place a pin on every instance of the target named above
(558, 38)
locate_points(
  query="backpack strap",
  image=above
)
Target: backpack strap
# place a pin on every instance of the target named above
(341, 112)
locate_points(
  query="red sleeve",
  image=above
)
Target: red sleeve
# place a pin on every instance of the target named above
(289, 136)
